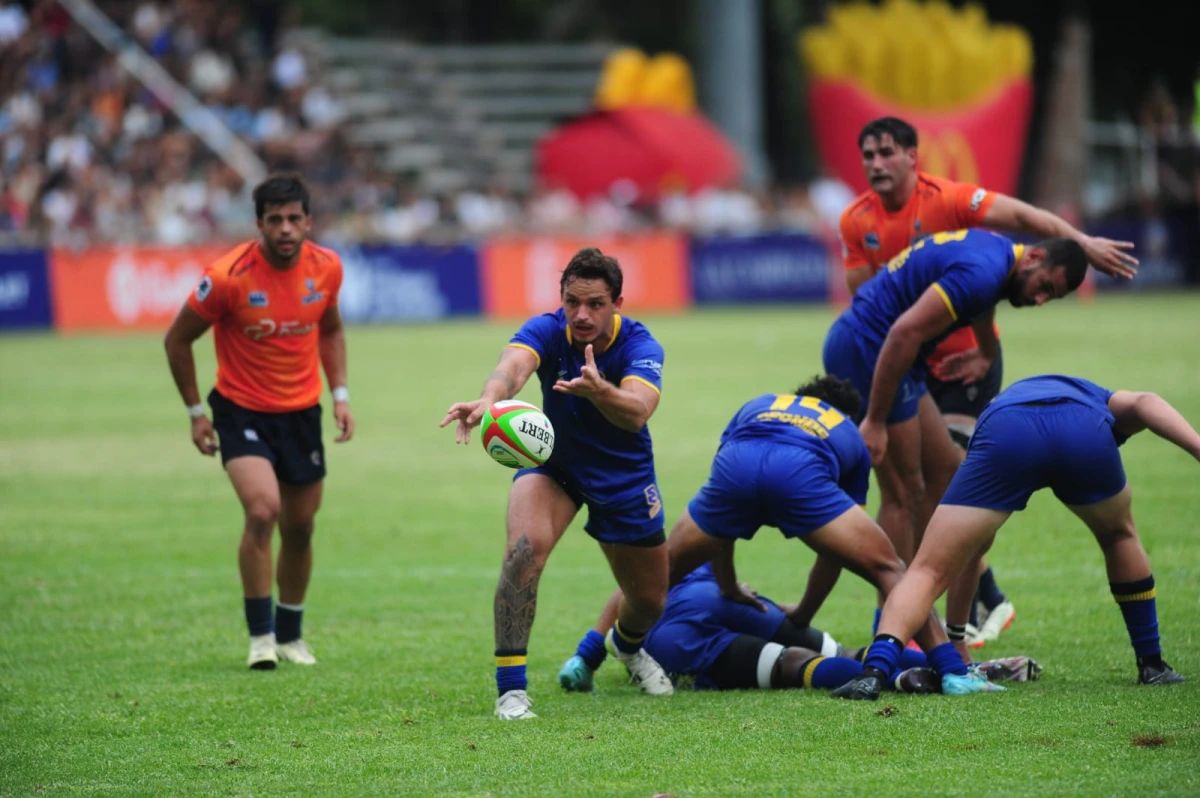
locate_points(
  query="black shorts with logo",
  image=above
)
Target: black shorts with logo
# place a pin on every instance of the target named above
(291, 441)
(968, 400)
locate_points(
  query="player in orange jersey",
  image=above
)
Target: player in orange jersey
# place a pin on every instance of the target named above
(272, 304)
(903, 206)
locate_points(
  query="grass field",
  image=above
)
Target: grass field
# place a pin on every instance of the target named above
(122, 642)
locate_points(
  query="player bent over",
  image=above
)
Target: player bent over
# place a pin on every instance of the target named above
(1055, 432)
(712, 642)
(795, 462)
(601, 378)
(272, 304)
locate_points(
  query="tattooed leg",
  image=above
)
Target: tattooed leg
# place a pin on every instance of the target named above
(516, 597)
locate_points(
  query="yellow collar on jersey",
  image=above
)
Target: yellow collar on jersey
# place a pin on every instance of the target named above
(1018, 251)
(616, 332)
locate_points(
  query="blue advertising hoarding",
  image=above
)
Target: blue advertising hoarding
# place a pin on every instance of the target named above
(768, 268)
(384, 283)
(24, 289)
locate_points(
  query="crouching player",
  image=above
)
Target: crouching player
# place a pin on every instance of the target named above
(1055, 432)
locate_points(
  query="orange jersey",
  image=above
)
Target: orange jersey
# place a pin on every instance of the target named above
(872, 235)
(266, 325)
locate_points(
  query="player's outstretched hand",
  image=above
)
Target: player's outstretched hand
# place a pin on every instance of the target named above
(969, 366)
(345, 421)
(588, 383)
(468, 415)
(1111, 257)
(204, 436)
(876, 437)
(745, 595)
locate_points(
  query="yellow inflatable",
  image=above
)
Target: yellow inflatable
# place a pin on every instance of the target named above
(925, 55)
(629, 78)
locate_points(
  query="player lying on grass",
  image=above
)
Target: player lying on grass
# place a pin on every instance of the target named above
(798, 463)
(1055, 432)
(708, 641)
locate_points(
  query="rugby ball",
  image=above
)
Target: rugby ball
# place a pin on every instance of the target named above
(517, 434)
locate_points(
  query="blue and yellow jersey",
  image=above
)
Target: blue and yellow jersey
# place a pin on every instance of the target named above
(811, 424)
(969, 270)
(608, 464)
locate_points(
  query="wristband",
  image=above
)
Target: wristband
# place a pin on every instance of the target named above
(341, 394)
(195, 411)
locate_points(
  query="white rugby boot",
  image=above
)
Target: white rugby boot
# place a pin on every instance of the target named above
(295, 651)
(644, 670)
(514, 705)
(262, 653)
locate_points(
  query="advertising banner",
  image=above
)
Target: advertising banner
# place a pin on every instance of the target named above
(409, 283)
(124, 288)
(770, 268)
(24, 289)
(521, 275)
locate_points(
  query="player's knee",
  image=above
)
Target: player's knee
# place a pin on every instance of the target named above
(297, 534)
(261, 514)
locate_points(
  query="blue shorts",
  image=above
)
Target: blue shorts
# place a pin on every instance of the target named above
(638, 520)
(698, 625)
(1019, 449)
(845, 355)
(756, 483)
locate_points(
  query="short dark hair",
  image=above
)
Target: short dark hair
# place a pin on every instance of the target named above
(280, 189)
(904, 134)
(1066, 254)
(834, 392)
(592, 264)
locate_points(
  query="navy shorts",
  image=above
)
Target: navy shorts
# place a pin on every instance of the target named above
(698, 625)
(291, 441)
(636, 521)
(757, 483)
(968, 400)
(846, 356)
(1019, 449)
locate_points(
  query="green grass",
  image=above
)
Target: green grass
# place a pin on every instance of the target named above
(122, 642)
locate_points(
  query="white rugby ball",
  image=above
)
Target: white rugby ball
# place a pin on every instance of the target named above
(516, 434)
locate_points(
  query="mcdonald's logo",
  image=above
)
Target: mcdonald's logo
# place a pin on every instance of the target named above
(947, 153)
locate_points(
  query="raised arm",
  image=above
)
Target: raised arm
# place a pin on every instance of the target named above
(1013, 215)
(628, 406)
(517, 364)
(1137, 411)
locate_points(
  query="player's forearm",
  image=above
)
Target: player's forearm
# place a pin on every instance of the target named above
(608, 616)
(985, 334)
(855, 278)
(895, 359)
(723, 569)
(622, 408)
(821, 580)
(501, 384)
(1040, 222)
(1168, 423)
(332, 346)
(183, 370)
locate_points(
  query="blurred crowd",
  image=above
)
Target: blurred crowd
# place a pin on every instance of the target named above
(88, 155)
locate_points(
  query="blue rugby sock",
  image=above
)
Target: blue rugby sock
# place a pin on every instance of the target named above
(510, 670)
(258, 616)
(288, 618)
(945, 659)
(1137, 603)
(883, 654)
(828, 673)
(627, 642)
(989, 593)
(591, 649)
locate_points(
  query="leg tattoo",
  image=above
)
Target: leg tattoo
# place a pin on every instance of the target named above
(516, 597)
